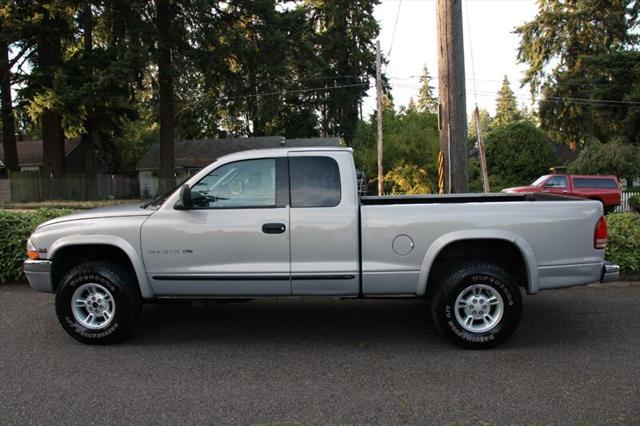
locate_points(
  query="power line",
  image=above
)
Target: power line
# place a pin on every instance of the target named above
(395, 27)
(285, 91)
(557, 99)
(473, 67)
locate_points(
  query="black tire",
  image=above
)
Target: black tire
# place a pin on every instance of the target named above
(456, 282)
(123, 289)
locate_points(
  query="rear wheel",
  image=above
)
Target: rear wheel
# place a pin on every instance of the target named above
(98, 303)
(476, 306)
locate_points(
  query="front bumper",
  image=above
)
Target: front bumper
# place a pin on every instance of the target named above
(610, 272)
(38, 273)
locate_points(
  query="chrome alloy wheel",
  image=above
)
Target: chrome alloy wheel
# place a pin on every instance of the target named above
(93, 306)
(479, 308)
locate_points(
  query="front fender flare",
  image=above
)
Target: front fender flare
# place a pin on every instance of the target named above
(109, 240)
(477, 234)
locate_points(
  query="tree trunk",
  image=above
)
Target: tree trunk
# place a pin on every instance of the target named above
(8, 120)
(166, 96)
(49, 58)
(89, 122)
(453, 102)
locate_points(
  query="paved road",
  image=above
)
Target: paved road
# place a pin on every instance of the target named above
(575, 358)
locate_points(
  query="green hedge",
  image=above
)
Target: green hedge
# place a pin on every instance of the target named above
(624, 241)
(15, 228)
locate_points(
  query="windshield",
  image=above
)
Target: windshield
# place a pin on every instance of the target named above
(540, 180)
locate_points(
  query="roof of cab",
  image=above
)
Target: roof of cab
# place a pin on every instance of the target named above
(280, 152)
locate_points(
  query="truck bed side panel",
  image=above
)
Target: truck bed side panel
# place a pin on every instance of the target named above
(559, 234)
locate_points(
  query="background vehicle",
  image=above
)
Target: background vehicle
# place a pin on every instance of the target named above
(289, 222)
(605, 189)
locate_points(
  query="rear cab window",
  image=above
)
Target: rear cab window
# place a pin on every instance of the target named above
(315, 182)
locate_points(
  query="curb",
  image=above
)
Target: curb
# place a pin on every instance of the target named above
(634, 276)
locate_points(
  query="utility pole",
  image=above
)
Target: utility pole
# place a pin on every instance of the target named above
(453, 102)
(482, 152)
(379, 117)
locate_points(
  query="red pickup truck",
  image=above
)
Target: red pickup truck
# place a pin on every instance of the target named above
(605, 189)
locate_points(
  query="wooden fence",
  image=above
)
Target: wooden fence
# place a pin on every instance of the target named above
(31, 186)
(5, 191)
(624, 205)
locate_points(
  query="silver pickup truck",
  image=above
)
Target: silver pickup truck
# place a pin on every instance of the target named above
(290, 222)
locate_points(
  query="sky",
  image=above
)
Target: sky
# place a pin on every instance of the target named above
(488, 32)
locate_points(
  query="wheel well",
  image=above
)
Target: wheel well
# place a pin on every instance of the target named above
(498, 252)
(69, 257)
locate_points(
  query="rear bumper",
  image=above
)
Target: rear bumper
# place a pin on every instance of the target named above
(38, 273)
(610, 272)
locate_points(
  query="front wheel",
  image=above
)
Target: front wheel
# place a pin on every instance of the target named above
(98, 303)
(477, 306)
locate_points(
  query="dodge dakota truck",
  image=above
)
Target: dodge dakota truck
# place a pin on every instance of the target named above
(289, 222)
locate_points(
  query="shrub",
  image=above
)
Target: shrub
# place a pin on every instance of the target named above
(517, 154)
(612, 158)
(624, 241)
(634, 203)
(15, 228)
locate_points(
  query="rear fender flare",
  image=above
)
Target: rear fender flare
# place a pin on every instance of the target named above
(474, 234)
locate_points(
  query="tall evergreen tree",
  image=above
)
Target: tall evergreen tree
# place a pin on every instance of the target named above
(427, 101)
(165, 10)
(8, 119)
(562, 33)
(506, 105)
(345, 34)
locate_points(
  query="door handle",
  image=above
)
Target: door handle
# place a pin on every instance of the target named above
(273, 228)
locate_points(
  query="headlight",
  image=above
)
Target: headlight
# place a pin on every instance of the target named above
(32, 251)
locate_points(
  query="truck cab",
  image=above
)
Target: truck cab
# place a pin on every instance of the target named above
(274, 223)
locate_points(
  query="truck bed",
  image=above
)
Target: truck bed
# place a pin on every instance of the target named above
(462, 198)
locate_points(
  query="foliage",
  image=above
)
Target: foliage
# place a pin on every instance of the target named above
(623, 247)
(427, 100)
(517, 154)
(410, 144)
(15, 228)
(562, 31)
(408, 179)
(614, 78)
(506, 105)
(634, 203)
(580, 55)
(244, 68)
(614, 158)
(66, 204)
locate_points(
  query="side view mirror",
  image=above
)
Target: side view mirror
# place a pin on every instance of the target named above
(184, 203)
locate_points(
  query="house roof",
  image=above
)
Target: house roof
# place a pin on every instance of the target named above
(202, 152)
(564, 154)
(30, 152)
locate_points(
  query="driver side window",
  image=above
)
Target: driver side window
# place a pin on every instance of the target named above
(556, 182)
(242, 184)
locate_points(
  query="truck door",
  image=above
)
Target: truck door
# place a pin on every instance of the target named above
(233, 242)
(324, 224)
